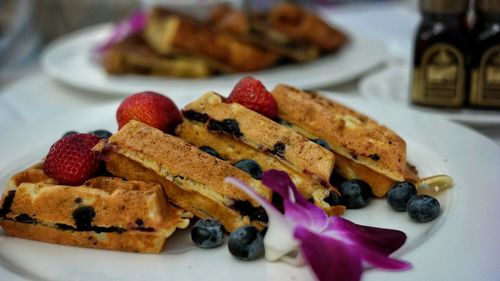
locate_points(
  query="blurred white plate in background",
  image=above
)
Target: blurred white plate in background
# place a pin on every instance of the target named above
(392, 86)
(72, 60)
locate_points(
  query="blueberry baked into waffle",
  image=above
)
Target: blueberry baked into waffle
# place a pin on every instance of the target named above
(103, 212)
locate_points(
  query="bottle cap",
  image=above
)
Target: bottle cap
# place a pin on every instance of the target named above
(445, 6)
(488, 6)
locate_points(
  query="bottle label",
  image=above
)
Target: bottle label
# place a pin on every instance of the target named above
(440, 79)
(485, 83)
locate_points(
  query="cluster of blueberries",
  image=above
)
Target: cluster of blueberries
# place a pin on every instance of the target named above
(421, 208)
(245, 243)
(401, 197)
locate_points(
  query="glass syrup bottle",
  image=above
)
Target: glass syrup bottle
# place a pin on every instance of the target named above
(440, 61)
(485, 55)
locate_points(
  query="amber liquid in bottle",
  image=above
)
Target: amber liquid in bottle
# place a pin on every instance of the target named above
(485, 62)
(440, 71)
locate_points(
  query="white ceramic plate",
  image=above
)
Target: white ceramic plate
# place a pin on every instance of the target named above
(72, 60)
(462, 244)
(392, 85)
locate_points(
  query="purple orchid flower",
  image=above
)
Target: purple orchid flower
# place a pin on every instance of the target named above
(334, 248)
(134, 24)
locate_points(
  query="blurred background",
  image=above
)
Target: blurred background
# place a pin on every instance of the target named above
(360, 70)
(27, 26)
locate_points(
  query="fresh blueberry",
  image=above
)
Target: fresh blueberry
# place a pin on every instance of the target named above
(355, 194)
(207, 233)
(321, 142)
(399, 195)
(246, 243)
(210, 151)
(69, 133)
(251, 167)
(103, 134)
(423, 208)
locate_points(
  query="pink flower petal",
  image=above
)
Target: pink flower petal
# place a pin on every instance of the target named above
(261, 200)
(330, 259)
(281, 183)
(379, 260)
(297, 208)
(134, 24)
(384, 241)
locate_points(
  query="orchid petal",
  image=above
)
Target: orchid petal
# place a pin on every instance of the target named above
(383, 241)
(134, 24)
(248, 190)
(381, 261)
(330, 259)
(298, 210)
(296, 213)
(281, 183)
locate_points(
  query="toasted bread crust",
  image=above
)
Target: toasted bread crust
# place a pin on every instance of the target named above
(265, 135)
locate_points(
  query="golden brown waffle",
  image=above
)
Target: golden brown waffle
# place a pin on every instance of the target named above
(233, 151)
(105, 212)
(133, 55)
(364, 149)
(305, 26)
(184, 171)
(255, 30)
(263, 134)
(168, 32)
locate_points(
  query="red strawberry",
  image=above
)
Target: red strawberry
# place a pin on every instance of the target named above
(150, 108)
(250, 93)
(71, 160)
